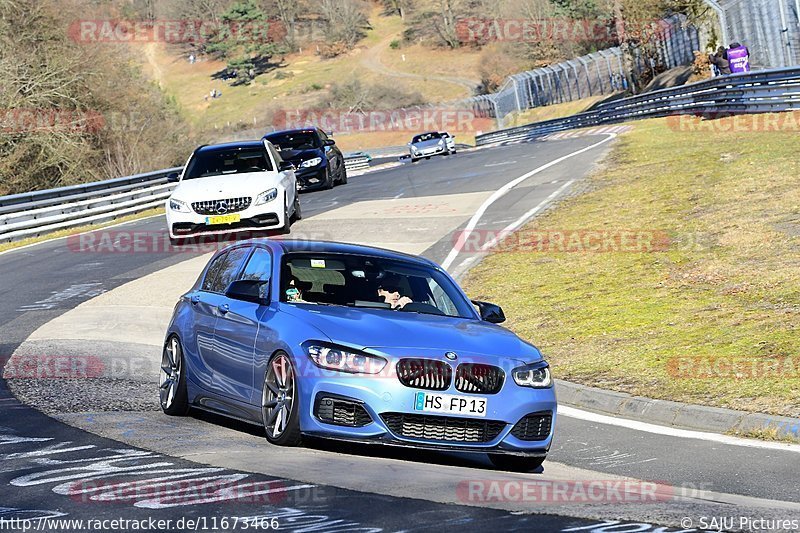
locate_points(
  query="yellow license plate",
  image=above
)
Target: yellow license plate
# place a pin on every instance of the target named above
(223, 219)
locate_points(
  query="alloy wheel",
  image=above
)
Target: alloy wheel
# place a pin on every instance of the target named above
(278, 396)
(170, 375)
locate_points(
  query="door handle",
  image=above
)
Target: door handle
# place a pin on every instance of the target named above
(195, 300)
(224, 308)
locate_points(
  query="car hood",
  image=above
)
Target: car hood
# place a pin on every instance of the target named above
(296, 156)
(226, 186)
(409, 334)
(426, 144)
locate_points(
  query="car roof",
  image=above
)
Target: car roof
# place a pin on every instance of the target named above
(330, 247)
(231, 145)
(310, 129)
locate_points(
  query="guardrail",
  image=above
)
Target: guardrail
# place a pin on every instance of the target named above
(38, 213)
(756, 92)
(356, 163)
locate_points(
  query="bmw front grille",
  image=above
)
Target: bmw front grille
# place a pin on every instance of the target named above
(426, 374)
(479, 379)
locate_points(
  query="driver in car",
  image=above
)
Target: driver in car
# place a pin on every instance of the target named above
(391, 295)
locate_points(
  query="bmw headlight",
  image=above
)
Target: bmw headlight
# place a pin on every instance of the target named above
(343, 361)
(536, 375)
(180, 207)
(415, 149)
(308, 163)
(266, 196)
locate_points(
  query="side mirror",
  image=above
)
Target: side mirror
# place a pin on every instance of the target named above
(286, 166)
(173, 177)
(490, 312)
(329, 142)
(247, 290)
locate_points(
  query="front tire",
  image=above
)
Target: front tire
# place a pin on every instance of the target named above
(515, 463)
(287, 220)
(343, 176)
(280, 402)
(172, 380)
(297, 214)
(328, 179)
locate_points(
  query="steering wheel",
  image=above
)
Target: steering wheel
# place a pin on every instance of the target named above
(428, 309)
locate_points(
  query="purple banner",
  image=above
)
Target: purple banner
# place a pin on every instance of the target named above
(739, 59)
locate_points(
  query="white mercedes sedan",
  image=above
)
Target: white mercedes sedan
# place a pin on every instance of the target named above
(233, 187)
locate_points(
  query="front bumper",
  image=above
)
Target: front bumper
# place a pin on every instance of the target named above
(428, 152)
(255, 218)
(311, 179)
(384, 395)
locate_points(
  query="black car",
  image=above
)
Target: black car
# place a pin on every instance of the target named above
(319, 162)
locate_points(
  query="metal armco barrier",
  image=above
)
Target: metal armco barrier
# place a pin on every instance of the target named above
(38, 213)
(356, 163)
(758, 92)
(41, 212)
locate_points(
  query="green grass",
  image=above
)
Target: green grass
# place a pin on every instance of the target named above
(549, 112)
(727, 287)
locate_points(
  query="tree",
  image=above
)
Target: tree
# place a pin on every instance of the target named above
(244, 37)
(71, 112)
(398, 7)
(345, 21)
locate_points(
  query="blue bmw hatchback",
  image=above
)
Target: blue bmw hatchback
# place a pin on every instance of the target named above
(356, 344)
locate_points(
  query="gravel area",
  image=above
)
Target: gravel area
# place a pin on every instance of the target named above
(56, 396)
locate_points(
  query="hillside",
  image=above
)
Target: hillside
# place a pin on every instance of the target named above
(304, 79)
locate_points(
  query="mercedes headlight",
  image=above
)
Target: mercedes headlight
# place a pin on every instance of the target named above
(308, 163)
(266, 196)
(343, 361)
(536, 375)
(180, 207)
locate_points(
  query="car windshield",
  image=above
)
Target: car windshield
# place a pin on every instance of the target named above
(426, 137)
(217, 162)
(303, 140)
(370, 282)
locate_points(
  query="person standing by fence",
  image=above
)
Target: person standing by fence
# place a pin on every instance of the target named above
(739, 58)
(719, 62)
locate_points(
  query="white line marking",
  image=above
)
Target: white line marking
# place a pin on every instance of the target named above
(527, 216)
(503, 190)
(579, 414)
(500, 164)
